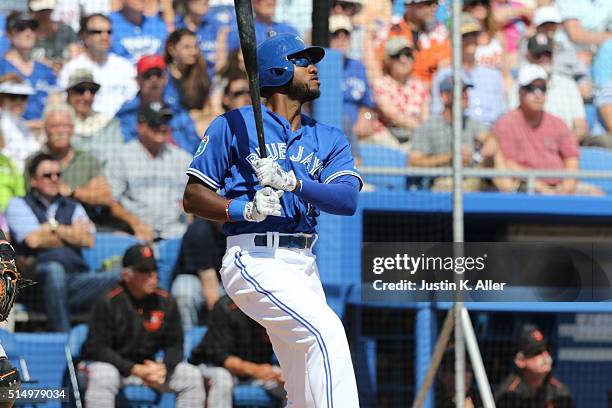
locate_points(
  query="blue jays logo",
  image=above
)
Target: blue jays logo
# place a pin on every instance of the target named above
(201, 147)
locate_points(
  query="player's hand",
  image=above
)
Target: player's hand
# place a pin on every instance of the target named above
(270, 173)
(266, 202)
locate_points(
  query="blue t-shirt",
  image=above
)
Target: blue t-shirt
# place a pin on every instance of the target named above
(207, 39)
(4, 42)
(262, 32)
(42, 79)
(314, 152)
(355, 91)
(184, 132)
(132, 41)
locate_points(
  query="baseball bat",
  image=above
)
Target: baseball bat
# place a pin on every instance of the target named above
(248, 43)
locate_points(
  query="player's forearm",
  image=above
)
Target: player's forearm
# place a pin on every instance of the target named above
(335, 198)
(201, 201)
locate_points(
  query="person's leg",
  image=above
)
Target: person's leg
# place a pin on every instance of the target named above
(85, 287)
(187, 291)
(187, 382)
(52, 276)
(221, 386)
(276, 289)
(102, 385)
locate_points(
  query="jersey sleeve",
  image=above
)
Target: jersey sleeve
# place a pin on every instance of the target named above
(340, 161)
(211, 160)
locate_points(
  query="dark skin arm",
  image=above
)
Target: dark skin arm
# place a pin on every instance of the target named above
(201, 200)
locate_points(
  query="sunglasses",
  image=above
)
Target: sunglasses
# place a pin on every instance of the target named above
(158, 125)
(302, 62)
(153, 72)
(97, 32)
(345, 5)
(15, 97)
(51, 175)
(81, 89)
(239, 93)
(531, 88)
(146, 270)
(25, 25)
(406, 53)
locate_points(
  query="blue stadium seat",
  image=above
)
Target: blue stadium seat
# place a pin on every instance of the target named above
(597, 158)
(168, 251)
(374, 155)
(107, 245)
(192, 338)
(252, 397)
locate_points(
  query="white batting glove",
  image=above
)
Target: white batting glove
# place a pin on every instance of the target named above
(266, 202)
(270, 173)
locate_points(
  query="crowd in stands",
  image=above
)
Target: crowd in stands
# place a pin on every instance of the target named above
(104, 102)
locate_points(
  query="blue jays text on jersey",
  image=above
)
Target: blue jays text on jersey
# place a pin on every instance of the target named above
(314, 152)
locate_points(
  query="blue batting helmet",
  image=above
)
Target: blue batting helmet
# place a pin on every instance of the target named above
(273, 55)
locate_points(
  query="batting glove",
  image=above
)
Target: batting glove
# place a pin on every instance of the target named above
(266, 202)
(270, 173)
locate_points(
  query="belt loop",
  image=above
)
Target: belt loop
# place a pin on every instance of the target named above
(272, 240)
(315, 238)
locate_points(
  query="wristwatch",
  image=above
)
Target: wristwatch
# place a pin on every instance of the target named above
(53, 224)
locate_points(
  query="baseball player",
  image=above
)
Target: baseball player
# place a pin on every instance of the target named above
(269, 207)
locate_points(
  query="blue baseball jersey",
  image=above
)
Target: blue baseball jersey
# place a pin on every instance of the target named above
(355, 90)
(42, 79)
(133, 41)
(262, 32)
(314, 152)
(207, 39)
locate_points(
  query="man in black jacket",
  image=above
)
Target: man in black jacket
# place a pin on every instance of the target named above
(127, 327)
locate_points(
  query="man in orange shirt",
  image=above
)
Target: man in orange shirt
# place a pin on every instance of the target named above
(430, 39)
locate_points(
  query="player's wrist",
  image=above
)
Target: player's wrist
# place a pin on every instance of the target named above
(235, 211)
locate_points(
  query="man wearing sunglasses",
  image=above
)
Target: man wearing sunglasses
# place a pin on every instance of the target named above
(269, 207)
(531, 138)
(115, 75)
(49, 231)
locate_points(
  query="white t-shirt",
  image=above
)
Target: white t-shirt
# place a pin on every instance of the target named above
(19, 142)
(70, 11)
(117, 79)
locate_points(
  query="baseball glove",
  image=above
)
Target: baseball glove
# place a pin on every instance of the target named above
(10, 279)
(9, 380)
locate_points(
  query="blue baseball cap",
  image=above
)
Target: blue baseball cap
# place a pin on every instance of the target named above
(446, 85)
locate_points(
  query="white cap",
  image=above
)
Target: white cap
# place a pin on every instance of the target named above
(531, 72)
(546, 14)
(16, 88)
(38, 5)
(340, 22)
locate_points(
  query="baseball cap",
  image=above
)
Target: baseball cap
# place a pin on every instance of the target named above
(531, 72)
(546, 14)
(469, 24)
(81, 76)
(539, 44)
(531, 341)
(139, 257)
(20, 19)
(16, 88)
(39, 5)
(340, 22)
(446, 85)
(396, 44)
(416, 1)
(155, 113)
(149, 62)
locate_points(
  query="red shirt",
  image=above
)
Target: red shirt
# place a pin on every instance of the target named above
(543, 147)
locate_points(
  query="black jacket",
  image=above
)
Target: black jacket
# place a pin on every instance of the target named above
(513, 392)
(124, 331)
(232, 333)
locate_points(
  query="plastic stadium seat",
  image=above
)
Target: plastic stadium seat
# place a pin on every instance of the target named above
(597, 158)
(192, 338)
(252, 397)
(374, 155)
(168, 251)
(107, 245)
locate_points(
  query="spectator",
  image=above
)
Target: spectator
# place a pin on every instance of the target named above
(148, 176)
(236, 93)
(152, 84)
(187, 76)
(128, 326)
(232, 66)
(358, 107)
(433, 141)
(116, 75)
(487, 97)
(21, 30)
(531, 138)
(445, 390)
(235, 349)
(11, 185)
(292, 12)
(350, 9)
(265, 26)
(490, 51)
(49, 231)
(513, 17)
(4, 42)
(56, 42)
(19, 142)
(71, 11)
(94, 132)
(401, 98)
(429, 39)
(199, 20)
(533, 385)
(136, 34)
(563, 97)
